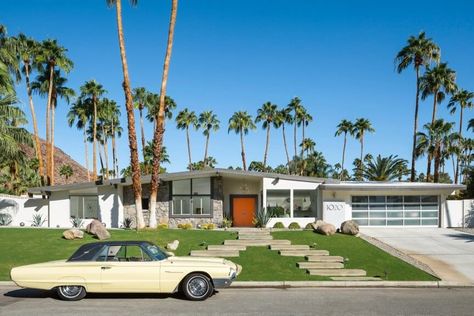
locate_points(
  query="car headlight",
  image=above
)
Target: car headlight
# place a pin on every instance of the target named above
(232, 273)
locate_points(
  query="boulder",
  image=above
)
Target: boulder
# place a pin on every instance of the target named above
(350, 227)
(326, 229)
(96, 228)
(173, 245)
(317, 223)
(73, 233)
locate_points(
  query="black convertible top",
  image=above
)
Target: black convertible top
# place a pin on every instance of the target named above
(89, 251)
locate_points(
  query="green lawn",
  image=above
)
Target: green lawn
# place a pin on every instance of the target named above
(19, 246)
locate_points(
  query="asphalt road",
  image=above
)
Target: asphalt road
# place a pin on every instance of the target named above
(321, 301)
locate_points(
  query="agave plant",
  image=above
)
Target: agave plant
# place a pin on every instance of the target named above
(77, 222)
(127, 223)
(38, 220)
(261, 219)
(5, 219)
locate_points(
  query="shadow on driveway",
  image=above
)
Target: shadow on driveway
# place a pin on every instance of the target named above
(462, 236)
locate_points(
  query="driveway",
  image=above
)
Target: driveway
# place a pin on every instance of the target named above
(449, 253)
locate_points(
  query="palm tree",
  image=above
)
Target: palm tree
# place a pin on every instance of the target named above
(465, 99)
(344, 127)
(433, 142)
(58, 91)
(282, 118)
(27, 49)
(384, 168)
(107, 115)
(266, 114)
(419, 52)
(209, 122)
(8, 62)
(303, 119)
(184, 120)
(82, 112)
(52, 55)
(132, 135)
(154, 107)
(470, 125)
(241, 123)
(141, 99)
(94, 91)
(307, 145)
(66, 171)
(316, 166)
(295, 106)
(361, 127)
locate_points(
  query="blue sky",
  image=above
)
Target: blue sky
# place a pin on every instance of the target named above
(337, 56)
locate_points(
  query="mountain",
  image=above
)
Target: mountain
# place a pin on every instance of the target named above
(60, 159)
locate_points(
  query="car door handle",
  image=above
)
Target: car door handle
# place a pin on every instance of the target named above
(105, 268)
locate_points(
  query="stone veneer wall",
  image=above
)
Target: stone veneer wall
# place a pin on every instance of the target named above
(163, 205)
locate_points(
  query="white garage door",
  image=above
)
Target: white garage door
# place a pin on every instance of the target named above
(396, 210)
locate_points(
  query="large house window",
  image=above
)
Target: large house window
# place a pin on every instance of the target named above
(303, 204)
(84, 206)
(191, 197)
(396, 210)
(278, 203)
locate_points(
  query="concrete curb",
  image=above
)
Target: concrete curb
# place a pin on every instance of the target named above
(348, 284)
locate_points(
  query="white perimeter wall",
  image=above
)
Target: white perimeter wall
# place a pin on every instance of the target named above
(459, 213)
(110, 205)
(22, 209)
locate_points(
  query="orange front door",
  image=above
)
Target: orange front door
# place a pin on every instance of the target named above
(243, 210)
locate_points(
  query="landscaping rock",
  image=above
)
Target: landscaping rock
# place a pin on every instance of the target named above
(317, 223)
(173, 245)
(73, 233)
(326, 229)
(96, 228)
(350, 227)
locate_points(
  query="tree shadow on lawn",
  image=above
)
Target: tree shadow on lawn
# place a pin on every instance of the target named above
(37, 294)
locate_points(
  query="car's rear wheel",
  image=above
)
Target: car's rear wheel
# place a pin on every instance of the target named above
(71, 292)
(197, 287)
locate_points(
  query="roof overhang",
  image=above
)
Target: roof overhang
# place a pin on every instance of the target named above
(398, 186)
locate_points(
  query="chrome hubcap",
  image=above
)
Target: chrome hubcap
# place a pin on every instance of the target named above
(197, 286)
(70, 290)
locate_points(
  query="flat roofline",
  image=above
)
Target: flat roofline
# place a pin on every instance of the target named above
(402, 186)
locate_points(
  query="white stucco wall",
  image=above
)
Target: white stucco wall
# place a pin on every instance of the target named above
(459, 213)
(110, 205)
(22, 209)
(59, 209)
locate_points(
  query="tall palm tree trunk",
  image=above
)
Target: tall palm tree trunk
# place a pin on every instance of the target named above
(433, 118)
(86, 155)
(48, 125)
(132, 137)
(415, 127)
(101, 162)
(456, 173)
(361, 156)
(160, 127)
(142, 131)
(294, 137)
(114, 158)
(437, 162)
(53, 110)
(266, 148)
(94, 140)
(205, 149)
(343, 157)
(39, 154)
(286, 148)
(106, 153)
(188, 141)
(244, 162)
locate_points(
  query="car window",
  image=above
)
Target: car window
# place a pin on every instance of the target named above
(155, 252)
(126, 253)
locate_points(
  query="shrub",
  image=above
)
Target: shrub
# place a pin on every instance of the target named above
(38, 220)
(127, 223)
(77, 222)
(226, 223)
(309, 226)
(278, 225)
(163, 226)
(261, 219)
(294, 225)
(5, 219)
(208, 226)
(276, 211)
(185, 225)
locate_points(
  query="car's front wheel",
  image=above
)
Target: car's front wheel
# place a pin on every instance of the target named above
(197, 287)
(71, 292)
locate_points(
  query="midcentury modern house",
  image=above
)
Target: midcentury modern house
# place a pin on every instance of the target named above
(200, 197)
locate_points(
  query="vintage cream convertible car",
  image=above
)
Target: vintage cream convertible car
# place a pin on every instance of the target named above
(127, 267)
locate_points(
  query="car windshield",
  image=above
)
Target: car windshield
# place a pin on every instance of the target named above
(155, 252)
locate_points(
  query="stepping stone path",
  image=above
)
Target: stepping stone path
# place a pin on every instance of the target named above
(318, 262)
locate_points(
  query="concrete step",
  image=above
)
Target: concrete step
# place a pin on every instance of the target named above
(320, 265)
(256, 237)
(289, 247)
(356, 279)
(227, 247)
(253, 242)
(253, 231)
(338, 272)
(303, 253)
(215, 253)
(324, 259)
